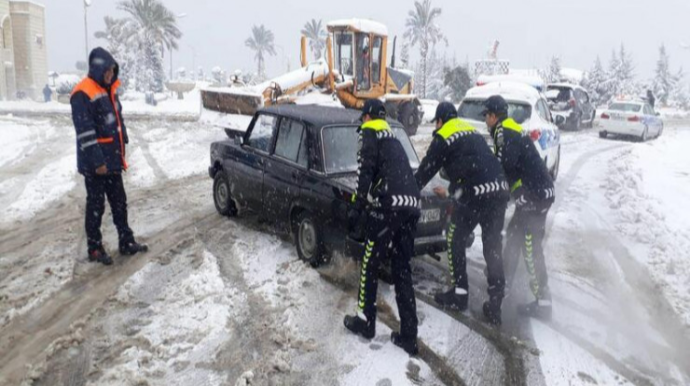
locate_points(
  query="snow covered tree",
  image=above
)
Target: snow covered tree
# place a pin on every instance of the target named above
(626, 74)
(596, 82)
(613, 82)
(405, 54)
(200, 74)
(314, 31)
(664, 82)
(553, 74)
(262, 43)
(421, 30)
(433, 75)
(457, 80)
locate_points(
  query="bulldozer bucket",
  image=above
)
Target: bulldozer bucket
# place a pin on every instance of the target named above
(231, 101)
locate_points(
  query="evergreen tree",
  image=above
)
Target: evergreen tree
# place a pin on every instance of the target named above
(457, 80)
(596, 83)
(433, 75)
(664, 82)
(421, 30)
(613, 81)
(626, 74)
(553, 74)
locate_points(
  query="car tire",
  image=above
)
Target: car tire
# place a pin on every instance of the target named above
(603, 134)
(308, 238)
(225, 205)
(661, 130)
(645, 135)
(556, 166)
(407, 115)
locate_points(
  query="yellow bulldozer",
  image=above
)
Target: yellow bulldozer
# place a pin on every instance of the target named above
(355, 70)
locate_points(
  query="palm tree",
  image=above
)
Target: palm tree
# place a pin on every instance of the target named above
(155, 20)
(421, 30)
(314, 31)
(262, 43)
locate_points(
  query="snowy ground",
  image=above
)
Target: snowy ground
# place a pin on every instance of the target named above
(222, 301)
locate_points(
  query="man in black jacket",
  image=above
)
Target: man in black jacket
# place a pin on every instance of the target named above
(480, 196)
(533, 190)
(101, 140)
(387, 192)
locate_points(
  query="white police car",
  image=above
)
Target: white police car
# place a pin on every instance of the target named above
(528, 107)
(630, 118)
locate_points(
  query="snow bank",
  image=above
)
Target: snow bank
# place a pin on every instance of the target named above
(648, 188)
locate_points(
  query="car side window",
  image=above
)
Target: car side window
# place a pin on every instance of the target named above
(648, 110)
(585, 97)
(262, 133)
(291, 141)
(542, 110)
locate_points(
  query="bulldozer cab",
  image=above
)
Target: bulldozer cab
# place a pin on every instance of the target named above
(360, 55)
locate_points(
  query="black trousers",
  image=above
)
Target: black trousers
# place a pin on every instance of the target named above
(97, 189)
(489, 213)
(525, 236)
(390, 232)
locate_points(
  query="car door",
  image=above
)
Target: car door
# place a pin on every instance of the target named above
(247, 188)
(285, 170)
(652, 120)
(549, 138)
(587, 108)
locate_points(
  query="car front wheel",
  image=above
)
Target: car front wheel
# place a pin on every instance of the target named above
(603, 134)
(308, 239)
(221, 195)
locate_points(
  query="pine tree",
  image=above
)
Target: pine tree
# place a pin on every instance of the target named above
(626, 74)
(664, 82)
(613, 85)
(434, 75)
(596, 83)
(553, 74)
(457, 81)
(679, 94)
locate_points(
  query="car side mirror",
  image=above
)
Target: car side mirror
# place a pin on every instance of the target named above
(560, 120)
(238, 140)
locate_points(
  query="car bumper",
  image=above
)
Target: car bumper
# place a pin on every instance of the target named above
(622, 128)
(422, 246)
(569, 116)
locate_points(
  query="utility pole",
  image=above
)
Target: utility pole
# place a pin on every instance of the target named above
(87, 3)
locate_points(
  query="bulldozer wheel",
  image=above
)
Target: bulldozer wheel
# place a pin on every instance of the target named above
(407, 115)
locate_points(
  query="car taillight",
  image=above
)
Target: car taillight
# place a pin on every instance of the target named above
(605, 116)
(535, 135)
(571, 103)
(634, 118)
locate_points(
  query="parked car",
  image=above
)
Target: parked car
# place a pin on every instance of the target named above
(526, 106)
(296, 166)
(631, 118)
(572, 103)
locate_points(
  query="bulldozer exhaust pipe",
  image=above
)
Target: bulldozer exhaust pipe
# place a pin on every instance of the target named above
(303, 51)
(329, 53)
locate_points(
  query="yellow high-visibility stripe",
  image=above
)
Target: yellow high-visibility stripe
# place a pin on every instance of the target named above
(376, 125)
(510, 124)
(516, 186)
(455, 125)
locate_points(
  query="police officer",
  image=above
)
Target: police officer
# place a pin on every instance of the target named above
(533, 190)
(388, 195)
(101, 140)
(480, 196)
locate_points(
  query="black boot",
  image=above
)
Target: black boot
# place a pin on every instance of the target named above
(407, 344)
(452, 300)
(360, 326)
(100, 256)
(492, 311)
(132, 248)
(539, 309)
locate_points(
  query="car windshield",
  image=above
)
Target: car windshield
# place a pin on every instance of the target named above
(558, 94)
(625, 107)
(340, 148)
(472, 109)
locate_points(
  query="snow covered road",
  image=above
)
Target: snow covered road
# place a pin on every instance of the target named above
(222, 301)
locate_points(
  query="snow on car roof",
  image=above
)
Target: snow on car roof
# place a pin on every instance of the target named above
(570, 85)
(532, 80)
(361, 25)
(628, 102)
(514, 91)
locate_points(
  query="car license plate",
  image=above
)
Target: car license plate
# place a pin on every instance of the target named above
(617, 117)
(430, 215)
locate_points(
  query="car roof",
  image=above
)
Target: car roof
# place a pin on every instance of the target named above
(319, 116)
(629, 102)
(569, 85)
(512, 91)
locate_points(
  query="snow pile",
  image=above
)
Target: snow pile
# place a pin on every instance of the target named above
(651, 203)
(184, 324)
(51, 183)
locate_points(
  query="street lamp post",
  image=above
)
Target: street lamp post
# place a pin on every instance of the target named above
(179, 16)
(87, 3)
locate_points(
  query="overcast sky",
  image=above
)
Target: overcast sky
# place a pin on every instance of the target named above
(530, 31)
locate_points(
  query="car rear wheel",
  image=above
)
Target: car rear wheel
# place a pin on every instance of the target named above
(603, 134)
(645, 135)
(221, 195)
(308, 239)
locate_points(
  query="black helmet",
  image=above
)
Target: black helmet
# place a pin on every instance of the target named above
(495, 105)
(445, 111)
(374, 108)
